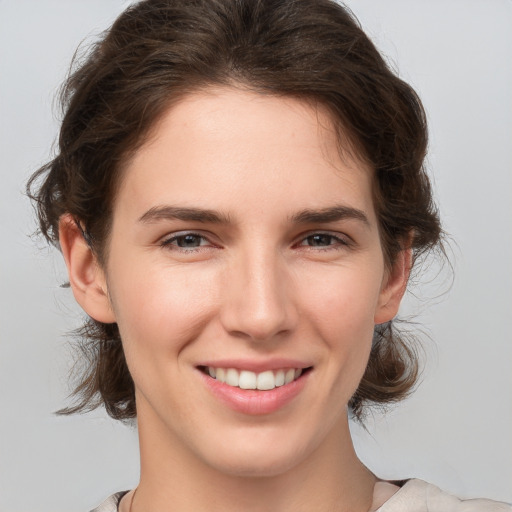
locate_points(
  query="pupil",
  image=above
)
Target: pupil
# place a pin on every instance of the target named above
(320, 240)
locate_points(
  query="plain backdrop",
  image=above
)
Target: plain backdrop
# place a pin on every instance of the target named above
(456, 431)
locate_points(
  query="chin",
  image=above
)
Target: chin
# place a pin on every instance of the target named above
(265, 465)
(266, 458)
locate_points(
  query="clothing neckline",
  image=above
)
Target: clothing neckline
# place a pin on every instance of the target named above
(399, 483)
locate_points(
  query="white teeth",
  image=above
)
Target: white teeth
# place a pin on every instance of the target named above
(220, 374)
(266, 380)
(289, 376)
(232, 377)
(245, 379)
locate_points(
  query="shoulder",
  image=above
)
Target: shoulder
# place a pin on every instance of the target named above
(111, 503)
(419, 496)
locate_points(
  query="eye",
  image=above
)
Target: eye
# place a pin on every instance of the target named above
(186, 241)
(323, 240)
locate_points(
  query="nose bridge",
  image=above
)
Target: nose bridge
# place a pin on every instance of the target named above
(258, 304)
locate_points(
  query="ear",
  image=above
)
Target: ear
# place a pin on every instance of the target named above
(393, 287)
(86, 277)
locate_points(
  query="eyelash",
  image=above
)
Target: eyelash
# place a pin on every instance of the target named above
(340, 242)
(168, 242)
(337, 242)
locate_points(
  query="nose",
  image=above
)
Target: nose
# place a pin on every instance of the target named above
(258, 300)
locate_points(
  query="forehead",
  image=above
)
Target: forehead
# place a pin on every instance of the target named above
(234, 148)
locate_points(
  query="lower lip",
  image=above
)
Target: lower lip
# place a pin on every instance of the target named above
(252, 401)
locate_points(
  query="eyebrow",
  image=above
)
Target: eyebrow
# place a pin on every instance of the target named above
(307, 216)
(330, 214)
(158, 213)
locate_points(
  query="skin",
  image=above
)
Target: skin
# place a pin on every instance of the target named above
(266, 282)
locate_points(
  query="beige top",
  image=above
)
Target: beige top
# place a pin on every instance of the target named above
(415, 496)
(419, 496)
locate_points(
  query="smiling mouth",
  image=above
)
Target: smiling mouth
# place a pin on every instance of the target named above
(245, 379)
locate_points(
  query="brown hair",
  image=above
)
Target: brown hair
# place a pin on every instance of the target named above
(158, 51)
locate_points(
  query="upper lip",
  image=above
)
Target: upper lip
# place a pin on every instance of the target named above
(256, 366)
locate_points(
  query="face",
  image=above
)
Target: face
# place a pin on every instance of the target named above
(246, 275)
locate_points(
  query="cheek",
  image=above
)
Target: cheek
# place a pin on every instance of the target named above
(342, 312)
(344, 299)
(161, 310)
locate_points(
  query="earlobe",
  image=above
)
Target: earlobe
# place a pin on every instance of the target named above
(86, 277)
(394, 287)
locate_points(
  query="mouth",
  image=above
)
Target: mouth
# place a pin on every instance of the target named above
(262, 381)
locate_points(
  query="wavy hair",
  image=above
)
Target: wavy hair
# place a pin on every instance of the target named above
(159, 51)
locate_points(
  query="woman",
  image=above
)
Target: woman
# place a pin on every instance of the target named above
(239, 198)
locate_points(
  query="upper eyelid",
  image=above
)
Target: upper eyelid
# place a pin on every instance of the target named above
(343, 237)
(171, 237)
(176, 234)
(185, 232)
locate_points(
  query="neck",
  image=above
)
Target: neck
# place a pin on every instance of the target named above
(331, 478)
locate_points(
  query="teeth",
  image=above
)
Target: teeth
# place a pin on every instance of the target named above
(220, 374)
(247, 380)
(232, 377)
(266, 380)
(263, 381)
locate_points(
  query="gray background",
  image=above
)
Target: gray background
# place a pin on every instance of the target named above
(455, 431)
